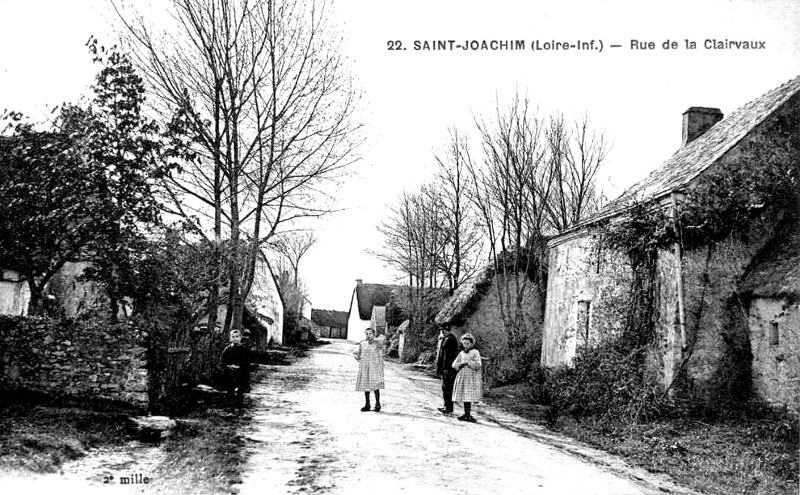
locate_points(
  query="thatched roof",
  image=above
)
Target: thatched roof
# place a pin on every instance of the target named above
(329, 318)
(395, 298)
(369, 295)
(696, 157)
(775, 272)
(456, 308)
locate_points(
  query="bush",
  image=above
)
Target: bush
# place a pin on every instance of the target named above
(515, 366)
(607, 382)
(539, 381)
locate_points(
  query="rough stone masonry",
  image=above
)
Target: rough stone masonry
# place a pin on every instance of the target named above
(89, 359)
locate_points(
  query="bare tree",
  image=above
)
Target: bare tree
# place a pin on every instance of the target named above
(432, 235)
(293, 246)
(294, 294)
(261, 90)
(536, 177)
(510, 188)
(461, 245)
(575, 154)
(413, 239)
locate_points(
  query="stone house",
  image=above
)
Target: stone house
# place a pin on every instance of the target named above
(772, 288)
(725, 310)
(64, 289)
(305, 320)
(297, 308)
(14, 294)
(475, 307)
(265, 304)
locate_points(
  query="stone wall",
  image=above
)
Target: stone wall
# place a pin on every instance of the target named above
(82, 359)
(265, 302)
(581, 272)
(775, 341)
(715, 322)
(485, 323)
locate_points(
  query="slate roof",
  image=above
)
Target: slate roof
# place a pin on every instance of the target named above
(329, 318)
(775, 271)
(696, 157)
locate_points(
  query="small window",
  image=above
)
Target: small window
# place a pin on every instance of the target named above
(583, 323)
(596, 258)
(774, 336)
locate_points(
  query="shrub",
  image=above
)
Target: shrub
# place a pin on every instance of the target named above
(607, 382)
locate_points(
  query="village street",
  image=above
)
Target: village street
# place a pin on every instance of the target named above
(307, 435)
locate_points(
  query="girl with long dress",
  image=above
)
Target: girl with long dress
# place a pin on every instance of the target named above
(369, 355)
(468, 387)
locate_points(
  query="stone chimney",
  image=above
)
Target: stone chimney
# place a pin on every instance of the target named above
(698, 120)
(358, 282)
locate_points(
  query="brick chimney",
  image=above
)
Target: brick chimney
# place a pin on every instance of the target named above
(698, 120)
(358, 282)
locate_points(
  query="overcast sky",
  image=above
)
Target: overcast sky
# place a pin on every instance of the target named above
(412, 97)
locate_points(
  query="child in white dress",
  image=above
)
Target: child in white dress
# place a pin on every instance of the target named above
(468, 387)
(369, 355)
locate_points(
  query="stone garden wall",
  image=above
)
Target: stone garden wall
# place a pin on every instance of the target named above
(83, 359)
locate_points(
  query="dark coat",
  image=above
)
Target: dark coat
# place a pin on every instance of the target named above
(448, 353)
(238, 355)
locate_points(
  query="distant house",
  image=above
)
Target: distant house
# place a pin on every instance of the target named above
(719, 301)
(266, 305)
(384, 307)
(263, 311)
(65, 289)
(365, 297)
(297, 324)
(329, 324)
(306, 325)
(14, 294)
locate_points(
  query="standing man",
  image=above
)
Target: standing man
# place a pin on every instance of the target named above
(444, 366)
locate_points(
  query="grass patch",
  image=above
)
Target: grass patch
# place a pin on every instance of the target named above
(39, 434)
(206, 453)
(753, 455)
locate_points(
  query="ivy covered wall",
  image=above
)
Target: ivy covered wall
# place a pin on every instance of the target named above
(619, 278)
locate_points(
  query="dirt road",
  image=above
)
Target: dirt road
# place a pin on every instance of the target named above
(308, 436)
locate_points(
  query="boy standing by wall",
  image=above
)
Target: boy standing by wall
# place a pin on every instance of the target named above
(236, 359)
